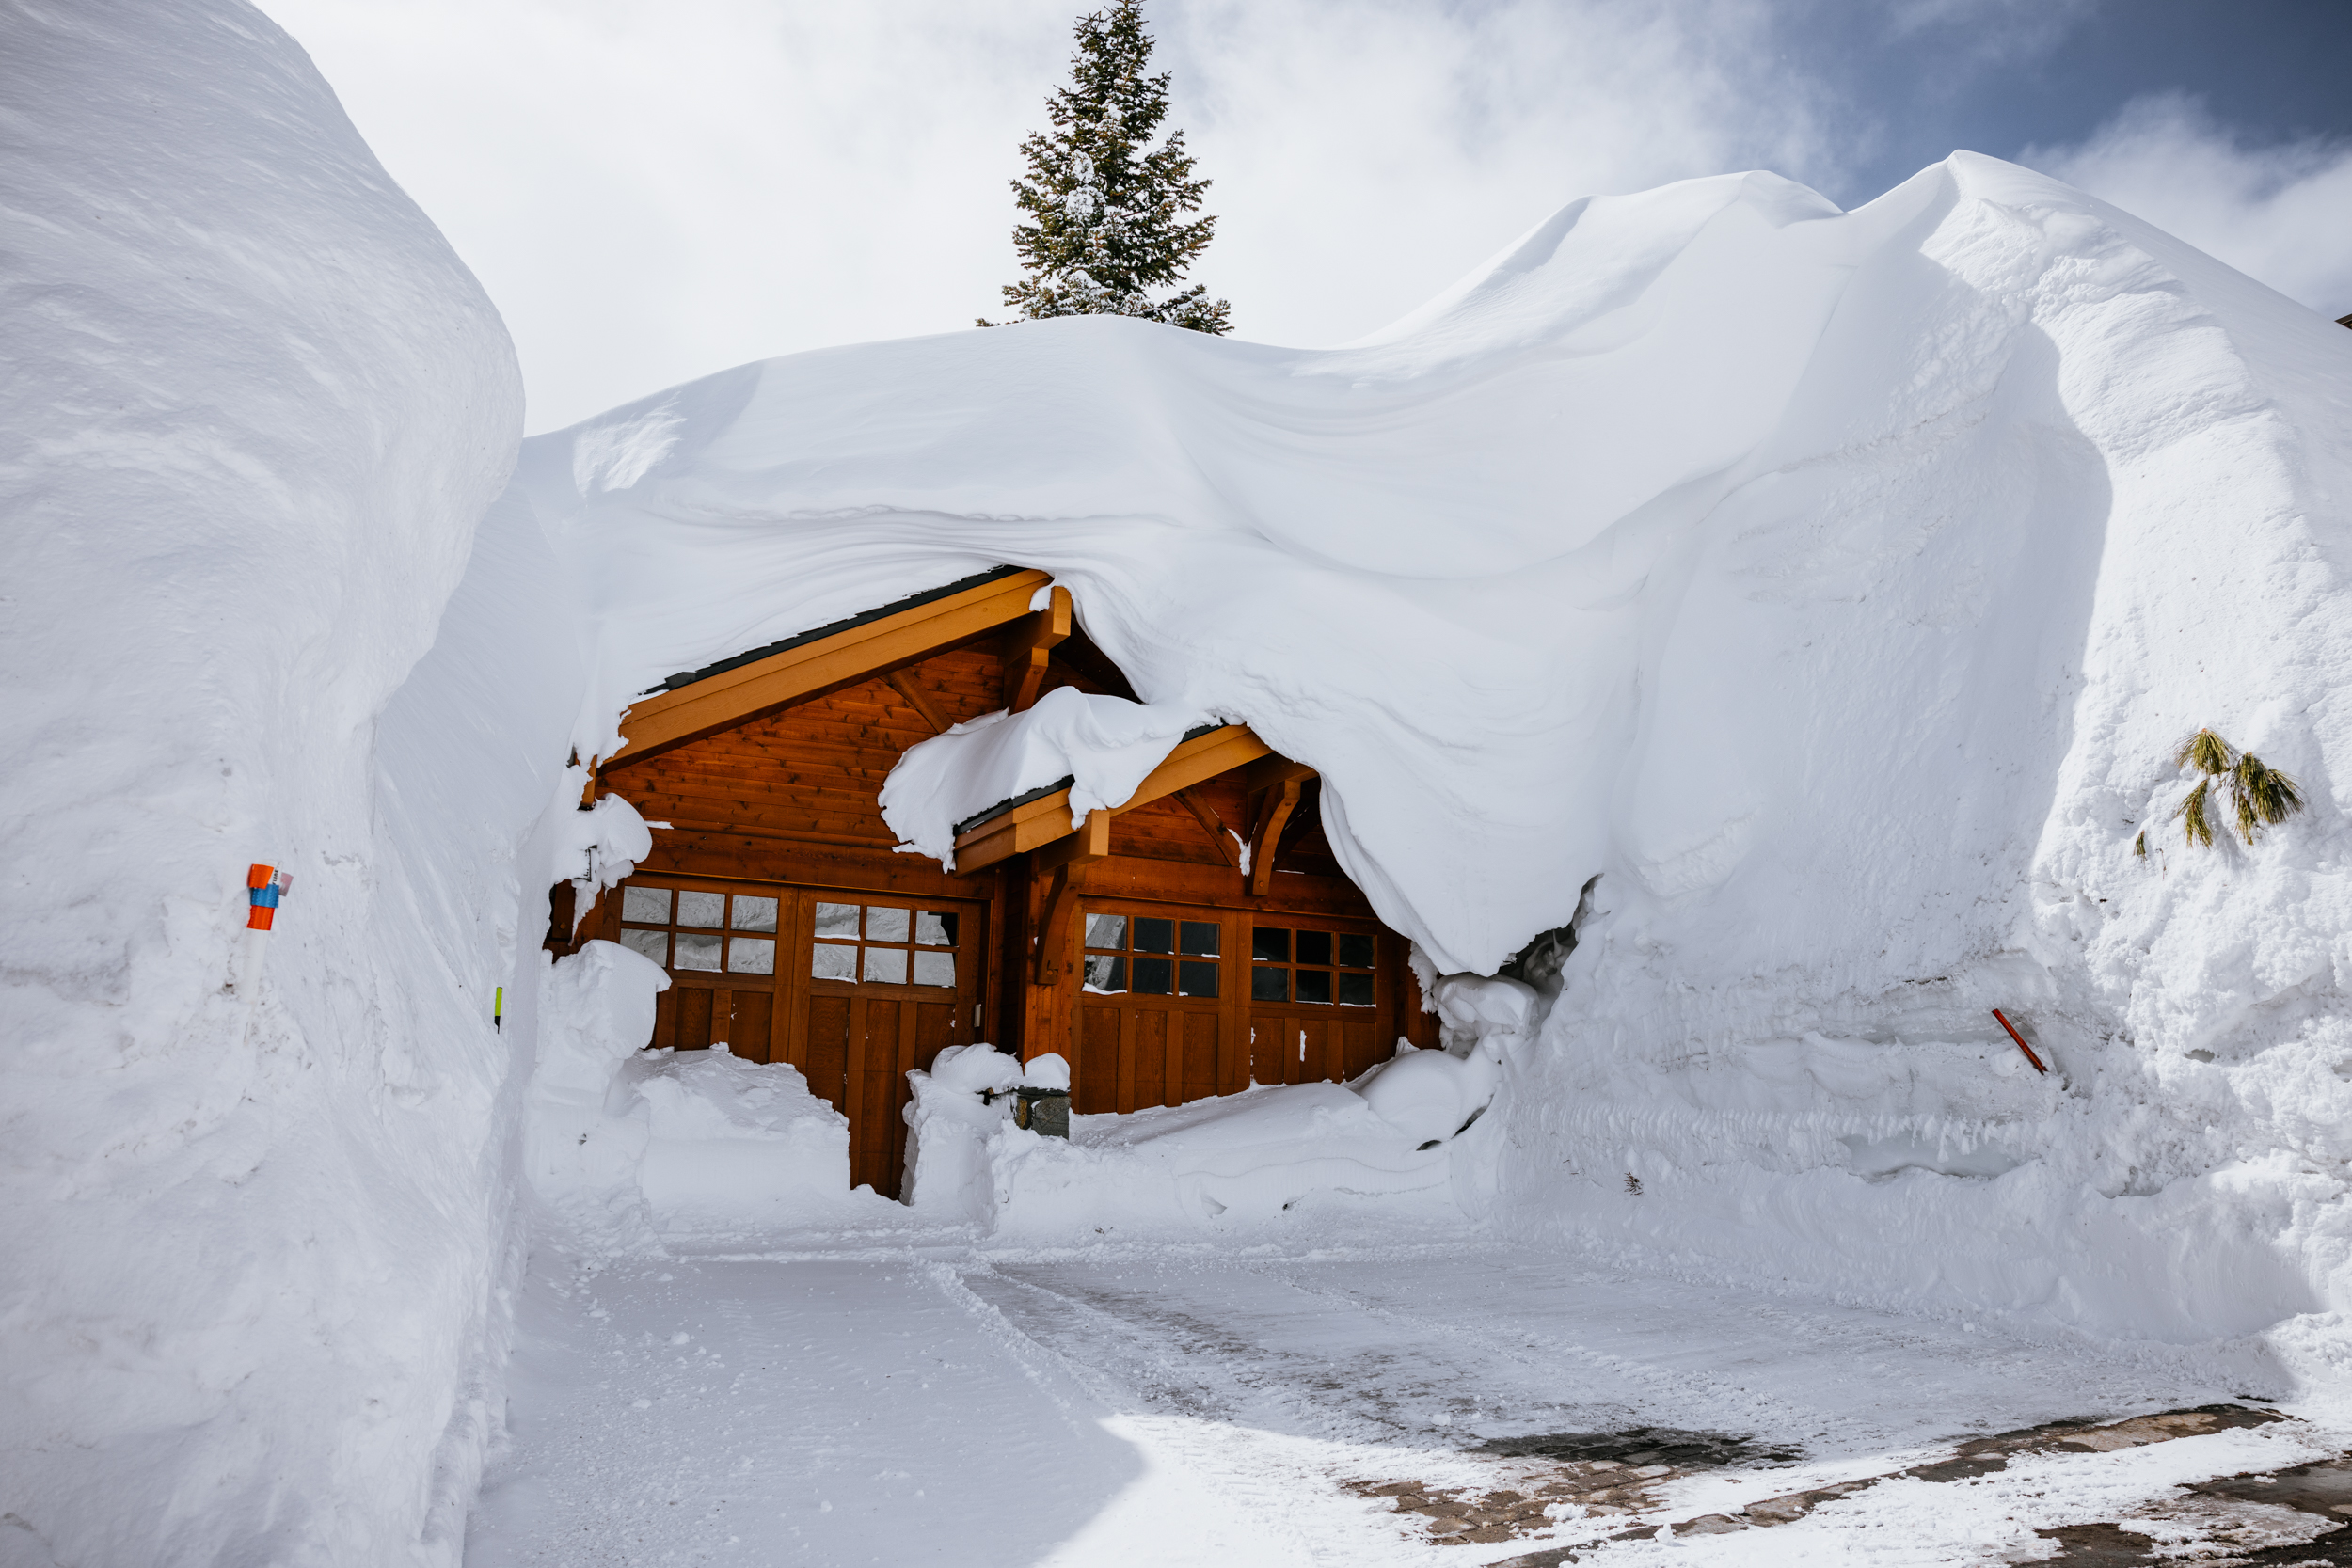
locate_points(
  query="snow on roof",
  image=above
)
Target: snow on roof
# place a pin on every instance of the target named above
(1549, 577)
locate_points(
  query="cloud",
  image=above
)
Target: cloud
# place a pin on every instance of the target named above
(2281, 213)
(654, 193)
(1989, 31)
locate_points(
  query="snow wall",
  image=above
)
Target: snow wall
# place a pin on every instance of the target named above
(255, 408)
(1831, 587)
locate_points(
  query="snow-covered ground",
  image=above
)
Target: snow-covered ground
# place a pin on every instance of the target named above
(915, 1399)
(1801, 605)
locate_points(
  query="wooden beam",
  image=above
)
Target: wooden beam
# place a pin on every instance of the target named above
(1040, 822)
(1091, 842)
(666, 719)
(1030, 648)
(1068, 857)
(1206, 816)
(1274, 808)
(1272, 772)
(918, 699)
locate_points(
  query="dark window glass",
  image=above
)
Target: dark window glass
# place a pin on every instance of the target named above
(1270, 944)
(1154, 936)
(1355, 991)
(1154, 976)
(1354, 950)
(1315, 947)
(1270, 985)
(1195, 979)
(1201, 938)
(1315, 985)
(1106, 974)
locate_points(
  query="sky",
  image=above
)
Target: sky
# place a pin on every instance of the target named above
(652, 193)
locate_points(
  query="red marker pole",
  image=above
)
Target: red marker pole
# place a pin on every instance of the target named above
(266, 886)
(2020, 1041)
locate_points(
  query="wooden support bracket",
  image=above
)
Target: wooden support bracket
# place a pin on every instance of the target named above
(918, 699)
(1029, 648)
(1067, 859)
(1206, 816)
(1272, 810)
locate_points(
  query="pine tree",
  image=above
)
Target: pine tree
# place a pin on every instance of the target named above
(1106, 224)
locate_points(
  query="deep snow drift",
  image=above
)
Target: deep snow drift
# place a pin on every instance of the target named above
(1831, 587)
(1805, 603)
(255, 409)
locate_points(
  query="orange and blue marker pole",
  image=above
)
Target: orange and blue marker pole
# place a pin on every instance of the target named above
(265, 887)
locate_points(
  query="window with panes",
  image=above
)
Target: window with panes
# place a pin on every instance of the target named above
(1127, 955)
(688, 930)
(883, 944)
(1296, 965)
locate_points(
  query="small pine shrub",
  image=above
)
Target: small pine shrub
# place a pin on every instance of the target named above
(2260, 795)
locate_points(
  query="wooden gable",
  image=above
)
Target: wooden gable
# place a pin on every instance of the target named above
(767, 770)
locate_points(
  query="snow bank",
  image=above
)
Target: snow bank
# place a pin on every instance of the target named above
(255, 407)
(1245, 1160)
(1831, 587)
(627, 1145)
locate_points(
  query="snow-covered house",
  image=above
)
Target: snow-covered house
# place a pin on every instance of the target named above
(1190, 939)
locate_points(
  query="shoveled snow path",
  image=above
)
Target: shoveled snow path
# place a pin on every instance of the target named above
(1171, 1406)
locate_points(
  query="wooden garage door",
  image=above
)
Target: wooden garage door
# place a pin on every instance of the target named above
(1318, 997)
(1157, 1011)
(884, 983)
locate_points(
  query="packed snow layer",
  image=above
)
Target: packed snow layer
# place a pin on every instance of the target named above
(1212, 1167)
(626, 1145)
(1831, 587)
(255, 407)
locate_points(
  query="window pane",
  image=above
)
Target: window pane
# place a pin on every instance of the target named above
(1354, 950)
(1201, 936)
(833, 960)
(1315, 947)
(1269, 985)
(935, 930)
(706, 909)
(649, 904)
(887, 965)
(754, 915)
(1270, 944)
(697, 952)
(1155, 936)
(654, 944)
(836, 920)
(885, 925)
(1195, 979)
(934, 969)
(1154, 976)
(1106, 930)
(751, 956)
(1355, 991)
(1315, 985)
(1106, 974)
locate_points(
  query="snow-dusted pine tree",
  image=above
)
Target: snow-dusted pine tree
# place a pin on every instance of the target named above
(1105, 208)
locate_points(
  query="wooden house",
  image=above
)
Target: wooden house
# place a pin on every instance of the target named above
(1193, 941)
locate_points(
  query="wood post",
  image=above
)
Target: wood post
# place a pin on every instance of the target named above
(1030, 648)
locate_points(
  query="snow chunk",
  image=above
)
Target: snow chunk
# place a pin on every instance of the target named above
(624, 1142)
(1049, 1072)
(1103, 746)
